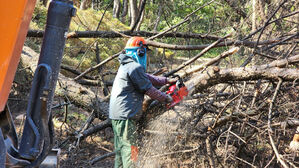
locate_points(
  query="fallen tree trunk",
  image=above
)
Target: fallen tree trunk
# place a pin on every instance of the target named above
(112, 34)
(94, 82)
(104, 124)
(66, 87)
(214, 75)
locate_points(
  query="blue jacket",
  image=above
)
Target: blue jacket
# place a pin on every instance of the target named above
(130, 84)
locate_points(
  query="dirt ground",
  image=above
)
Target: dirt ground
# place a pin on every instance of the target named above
(72, 155)
(79, 154)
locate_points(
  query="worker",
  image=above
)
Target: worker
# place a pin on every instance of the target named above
(129, 87)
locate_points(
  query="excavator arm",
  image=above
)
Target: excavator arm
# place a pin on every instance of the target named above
(37, 139)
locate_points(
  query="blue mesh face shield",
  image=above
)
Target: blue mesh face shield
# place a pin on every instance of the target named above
(132, 52)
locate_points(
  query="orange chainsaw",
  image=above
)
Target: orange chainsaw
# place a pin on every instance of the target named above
(177, 91)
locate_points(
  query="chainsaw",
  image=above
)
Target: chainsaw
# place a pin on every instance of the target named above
(177, 91)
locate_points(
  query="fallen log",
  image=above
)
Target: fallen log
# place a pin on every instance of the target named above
(104, 124)
(66, 87)
(215, 75)
(97, 159)
(282, 62)
(112, 34)
(94, 82)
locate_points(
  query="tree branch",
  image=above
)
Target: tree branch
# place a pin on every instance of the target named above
(278, 156)
(196, 57)
(97, 66)
(200, 47)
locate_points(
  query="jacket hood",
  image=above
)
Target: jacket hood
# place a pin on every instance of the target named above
(124, 59)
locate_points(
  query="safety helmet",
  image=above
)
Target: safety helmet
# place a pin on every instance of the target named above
(134, 42)
(136, 48)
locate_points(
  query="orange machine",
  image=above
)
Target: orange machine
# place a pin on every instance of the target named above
(15, 18)
(35, 147)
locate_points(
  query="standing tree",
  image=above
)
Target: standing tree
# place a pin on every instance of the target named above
(85, 4)
(125, 10)
(133, 11)
(116, 8)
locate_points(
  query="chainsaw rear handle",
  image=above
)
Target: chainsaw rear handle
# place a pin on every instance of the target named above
(176, 76)
(179, 82)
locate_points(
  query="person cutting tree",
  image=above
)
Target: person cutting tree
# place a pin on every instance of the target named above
(127, 95)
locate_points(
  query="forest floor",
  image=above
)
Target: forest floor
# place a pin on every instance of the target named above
(73, 155)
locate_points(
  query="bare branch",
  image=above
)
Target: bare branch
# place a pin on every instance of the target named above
(197, 56)
(200, 47)
(278, 156)
(97, 66)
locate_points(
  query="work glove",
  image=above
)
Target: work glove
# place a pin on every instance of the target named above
(168, 99)
(172, 80)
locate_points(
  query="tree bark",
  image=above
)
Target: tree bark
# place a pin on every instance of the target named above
(134, 12)
(85, 4)
(116, 8)
(140, 16)
(111, 34)
(261, 9)
(125, 11)
(253, 28)
(142, 12)
(213, 76)
(210, 62)
(158, 18)
(140, 21)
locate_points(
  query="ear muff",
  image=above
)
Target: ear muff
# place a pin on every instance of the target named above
(141, 50)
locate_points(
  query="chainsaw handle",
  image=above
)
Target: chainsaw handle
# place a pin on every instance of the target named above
(178, 77)
(179, 82)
